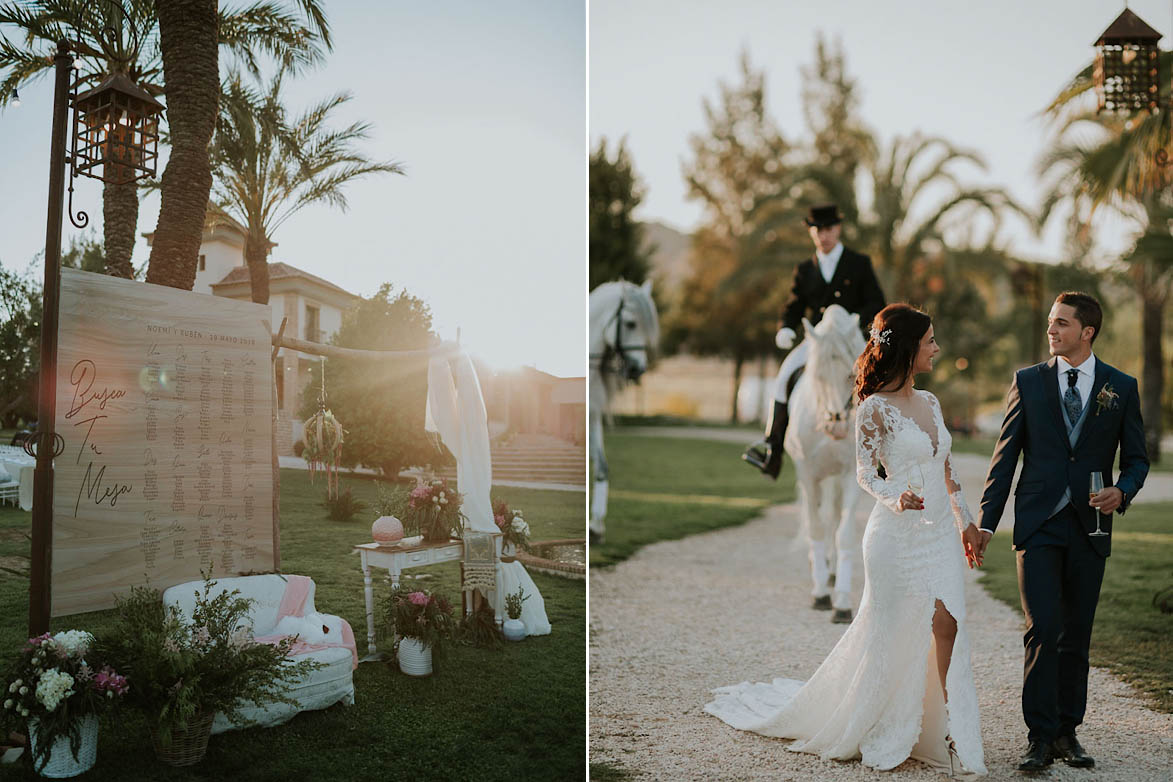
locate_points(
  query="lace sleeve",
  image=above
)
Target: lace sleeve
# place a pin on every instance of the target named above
(961, 515)
(869, 435)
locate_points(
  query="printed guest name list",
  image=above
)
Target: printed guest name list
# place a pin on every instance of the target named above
(164, 404)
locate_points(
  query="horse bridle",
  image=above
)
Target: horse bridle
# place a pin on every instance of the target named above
(626, 366)
(842, 415)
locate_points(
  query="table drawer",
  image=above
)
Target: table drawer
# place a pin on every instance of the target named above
(447, 554)
(418, 557)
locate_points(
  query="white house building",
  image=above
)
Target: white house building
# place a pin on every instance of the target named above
(312, 306)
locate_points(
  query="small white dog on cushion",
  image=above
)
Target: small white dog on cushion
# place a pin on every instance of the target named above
(313, 628)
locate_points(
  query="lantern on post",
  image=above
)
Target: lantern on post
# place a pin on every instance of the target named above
(116, 129)
(1125, 71)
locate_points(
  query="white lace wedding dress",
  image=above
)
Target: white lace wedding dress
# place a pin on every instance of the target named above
(877, 696)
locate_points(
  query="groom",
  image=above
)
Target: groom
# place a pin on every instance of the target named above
(1067, 417)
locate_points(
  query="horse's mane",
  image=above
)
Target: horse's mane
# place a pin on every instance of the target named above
(838, 330)
(837, 345)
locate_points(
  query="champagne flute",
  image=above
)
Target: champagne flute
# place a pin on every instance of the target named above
(1097, 486)
(916, 484)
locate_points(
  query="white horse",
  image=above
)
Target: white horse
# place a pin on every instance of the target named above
(821, 441)
(624, 332)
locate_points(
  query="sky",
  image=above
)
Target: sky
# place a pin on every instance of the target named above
(977, 74)
(485, 106)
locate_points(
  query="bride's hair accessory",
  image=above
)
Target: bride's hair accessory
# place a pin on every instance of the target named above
(898, 328)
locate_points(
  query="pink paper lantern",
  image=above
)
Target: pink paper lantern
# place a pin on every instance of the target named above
(387, 529)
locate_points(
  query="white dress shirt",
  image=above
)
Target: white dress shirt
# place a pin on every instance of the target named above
(829, 262)
(1083, 383)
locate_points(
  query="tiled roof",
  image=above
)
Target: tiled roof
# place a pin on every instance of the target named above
(278, 271)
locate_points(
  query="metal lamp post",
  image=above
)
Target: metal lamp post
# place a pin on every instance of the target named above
(115, 129)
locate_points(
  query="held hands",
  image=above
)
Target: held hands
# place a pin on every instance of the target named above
(974, 542)
(1107, 500)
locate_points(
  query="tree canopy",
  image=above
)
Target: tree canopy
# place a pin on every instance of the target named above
(380, 403)
(616, 238)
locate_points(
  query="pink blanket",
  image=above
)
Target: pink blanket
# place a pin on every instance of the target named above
(297, 589)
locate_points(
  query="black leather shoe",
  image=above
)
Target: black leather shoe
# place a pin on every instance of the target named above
(1067, 749)
(822, 603)
(1036, 758)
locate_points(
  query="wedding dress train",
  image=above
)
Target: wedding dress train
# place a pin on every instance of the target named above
(877, 696)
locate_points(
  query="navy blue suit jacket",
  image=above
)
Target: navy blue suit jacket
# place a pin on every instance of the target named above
(1034, 427)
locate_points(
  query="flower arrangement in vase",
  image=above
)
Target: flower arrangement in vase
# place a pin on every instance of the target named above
(422, 615)
(514, 528)
(433, 508)
(60, 688)
(424, 621)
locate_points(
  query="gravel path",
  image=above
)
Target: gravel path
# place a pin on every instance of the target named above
(682, 617)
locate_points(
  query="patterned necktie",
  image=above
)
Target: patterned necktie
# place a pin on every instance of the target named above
(1071, 398)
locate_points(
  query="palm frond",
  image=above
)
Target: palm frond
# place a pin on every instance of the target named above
(1074, 89)
(990, 200)
(267, 28)
(948, 155)
(267, 167)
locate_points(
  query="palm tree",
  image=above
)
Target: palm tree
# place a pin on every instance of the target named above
(188, 43)
(901, 176)
(188, 34)
(268, 166)
(123, 36)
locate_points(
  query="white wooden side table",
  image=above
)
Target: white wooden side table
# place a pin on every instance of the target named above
(396, 559)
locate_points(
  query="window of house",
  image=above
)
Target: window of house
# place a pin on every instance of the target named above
(312, 322)
(203, 262)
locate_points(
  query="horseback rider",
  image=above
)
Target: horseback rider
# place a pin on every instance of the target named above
(834, 275)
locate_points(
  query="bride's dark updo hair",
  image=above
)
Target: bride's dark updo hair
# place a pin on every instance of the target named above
(892, 347)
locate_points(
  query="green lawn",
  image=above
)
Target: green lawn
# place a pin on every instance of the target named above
(515, 713)
(664, 488)
(753, 427)
(979, 446)
(1131, 636)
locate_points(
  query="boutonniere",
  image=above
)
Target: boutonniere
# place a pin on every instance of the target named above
(1107, 399)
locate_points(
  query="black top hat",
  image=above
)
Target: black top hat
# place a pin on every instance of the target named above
(824, 215)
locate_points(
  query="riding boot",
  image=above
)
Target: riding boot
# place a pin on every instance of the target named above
(774, 438)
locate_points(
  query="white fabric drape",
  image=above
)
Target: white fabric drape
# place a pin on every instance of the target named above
(456, 411)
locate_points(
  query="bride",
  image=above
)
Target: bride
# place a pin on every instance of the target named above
(899, 682)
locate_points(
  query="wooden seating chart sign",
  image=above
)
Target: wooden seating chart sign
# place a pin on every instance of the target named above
(164, 401)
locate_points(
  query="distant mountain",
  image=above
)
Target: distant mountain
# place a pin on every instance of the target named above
(670, 255)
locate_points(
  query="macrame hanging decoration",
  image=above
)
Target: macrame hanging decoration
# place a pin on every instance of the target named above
(323, 441)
